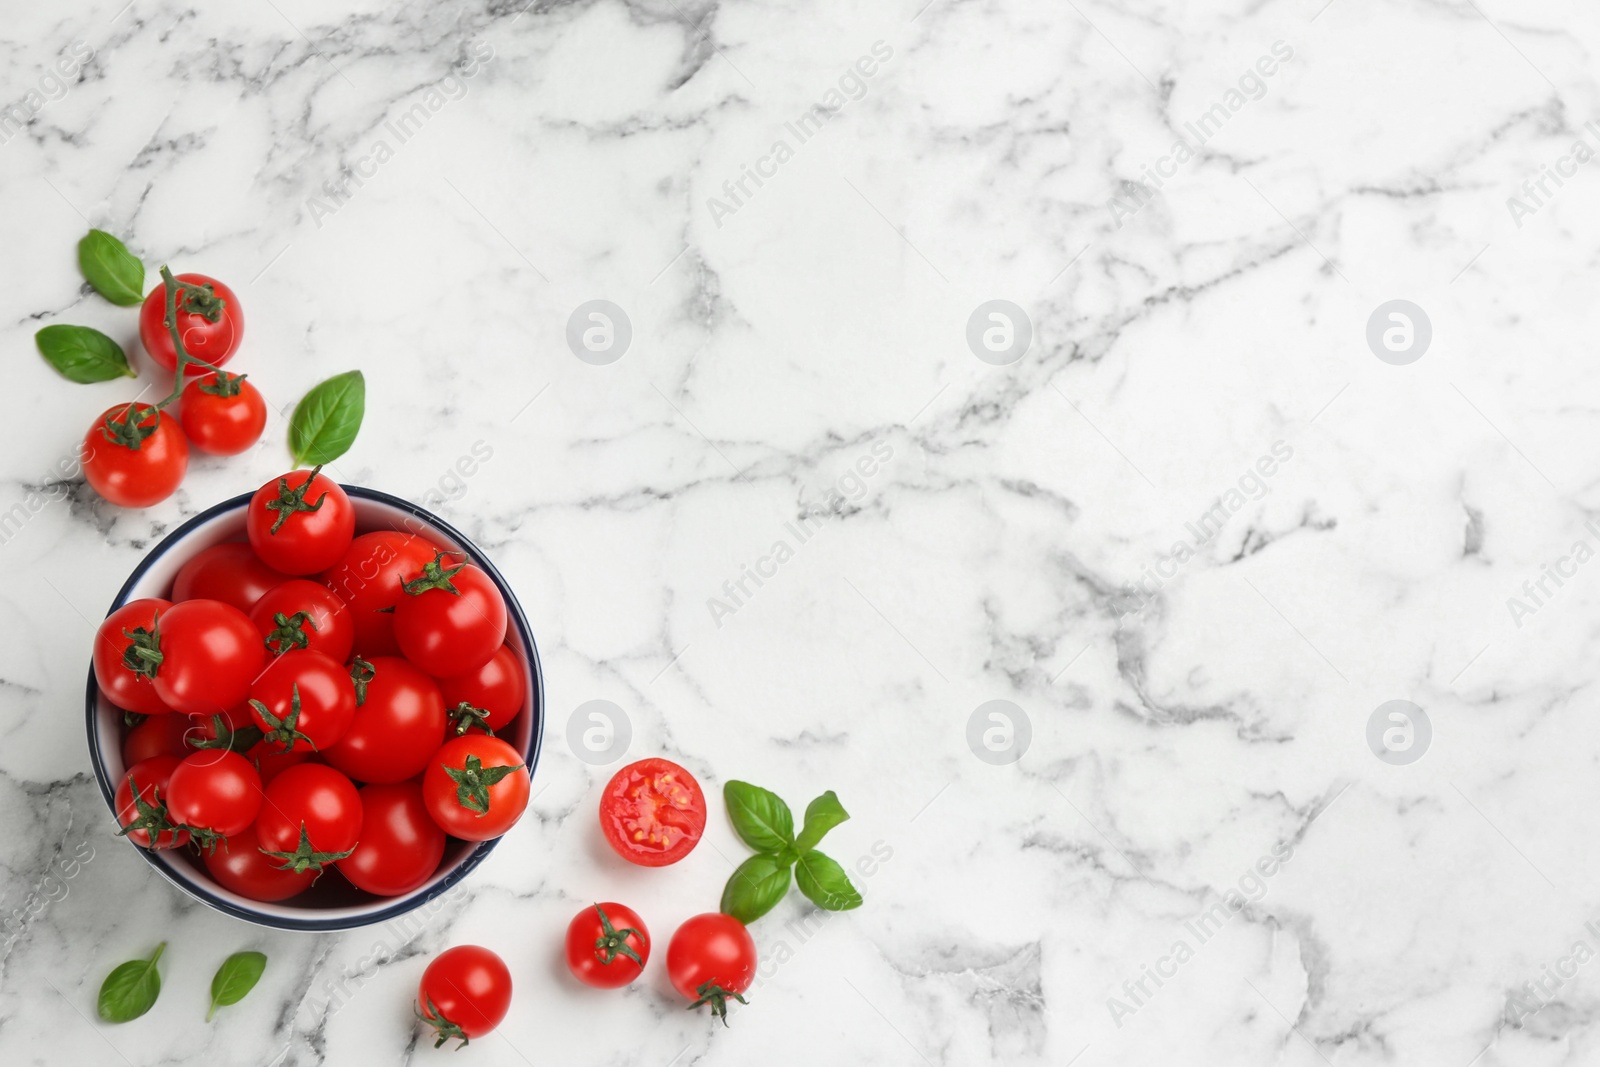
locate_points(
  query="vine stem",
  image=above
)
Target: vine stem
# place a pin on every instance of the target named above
(174, 287)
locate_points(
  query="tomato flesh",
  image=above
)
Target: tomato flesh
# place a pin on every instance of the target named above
(653, 812)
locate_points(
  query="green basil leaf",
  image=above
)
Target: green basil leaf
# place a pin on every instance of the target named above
(115, 273)
(822, 815)
(83, 355)
(824, 881)
(130, 990)
(238, 975)
(755, 888)
(325, 421)
(759, 816)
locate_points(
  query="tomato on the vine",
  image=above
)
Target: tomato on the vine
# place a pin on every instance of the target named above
(710, 958)
(310, 817)
(451, 618)
(209, 654)
(498, 689)
(303, 700)
(476, 787)
(302, 613)
(464, 993)
(211, 324)
(154, 779)
(125, 673)
(368, 579)
(400, 844)
(134, 456)
(607, 945)
(222, 413)
(230, 572)
(653, 812)
(398, 722)
(243, 868)
(300, 523)
(214, 792)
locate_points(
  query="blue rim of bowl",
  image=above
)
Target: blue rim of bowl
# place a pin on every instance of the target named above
(475, 857)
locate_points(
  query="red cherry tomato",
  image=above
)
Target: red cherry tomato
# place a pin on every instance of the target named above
(301, 613)
(495, 777)
(243, 868)
(210, 653)
(309, 698)
(396, 727)
(272, 761)
(229, 572)
(653, 812)
(159, 735)
(300, 523)
(134, 477)
(451, 619)
(499, 687)
(214, 791)
(310, 817)
(222, 413)
(400, 844)
(368, 579)
(154, 779)
(268, 757)
(711, 958)
(464, 993)
(214, 342)
(125, 677)
(607, 945)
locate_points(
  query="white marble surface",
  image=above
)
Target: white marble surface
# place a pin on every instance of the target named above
(819, 319)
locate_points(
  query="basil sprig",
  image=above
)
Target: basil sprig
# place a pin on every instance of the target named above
(130, 990)
(764, 822)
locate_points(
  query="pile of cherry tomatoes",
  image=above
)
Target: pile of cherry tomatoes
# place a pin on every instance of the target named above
(314, 699)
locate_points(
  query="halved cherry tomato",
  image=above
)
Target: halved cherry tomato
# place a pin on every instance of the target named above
(653, 812)
(230, 572)
(210, 653)
(154, 779)
(211, 328)
(711, 958)
(397, 724)
(498, 688)
(464, 993)
(302, 613)
(125, 676)
(222, 413)
(303, 700)
(368, 579)
(451, 619)
(246, 870)
(134, 456)
(300, 523)
(400, 844)
(476, 787)
(214, 791)
(607, 945)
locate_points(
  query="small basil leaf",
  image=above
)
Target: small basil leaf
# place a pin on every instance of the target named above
(325, 421)
(115, 273)
(130, 990)
(759, 816)
(238, 975)
(755, 888)
(824, 881)
(822, 815)
(83, 355)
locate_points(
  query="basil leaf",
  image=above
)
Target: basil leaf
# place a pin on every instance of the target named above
(822, 815)
(759, 816)
(824, 881)
(755, 888)
(115, 273)
(83, 355)
(325, 421)
(238, 975)
(130, 990)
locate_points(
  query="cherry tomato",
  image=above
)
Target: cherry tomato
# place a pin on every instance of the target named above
(154, 778)
(397, 725)
(710, 958)
(218, 731)
(300, 523)
(607, 945)
(368, 579)
(210, 653)
(310, 817)
(301, 613)
(214, 791)
(243, 868)
(222, 413)
(653, 812)
(128, 476)
(496, 780)
(451, 619)
(125, 677)
(271, 761)
(210, 332)
(464, 993)
(159, 735)
(499, 688)
(303, 700)
(229, 572)
(400, 844)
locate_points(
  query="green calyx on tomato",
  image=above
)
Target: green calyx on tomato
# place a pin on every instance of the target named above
(239, 739)
(292, 500)
(447, 1030)
(283, 732)
(152, 817)
(304, 857)
(143, 654)
(436, 576)
(464, 717)
(199, 300)
(288, 631)
(129, 431)
(473, 781)
(613, 942)
(714, 995)
(222, 384)
(361, 672)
